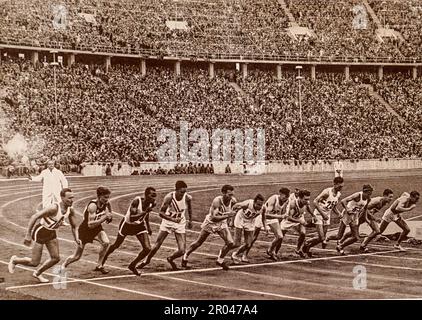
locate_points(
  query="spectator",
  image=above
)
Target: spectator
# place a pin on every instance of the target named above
(53, 182)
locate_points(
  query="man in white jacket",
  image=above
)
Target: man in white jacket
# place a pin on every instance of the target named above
(53, 182)
(338, 168)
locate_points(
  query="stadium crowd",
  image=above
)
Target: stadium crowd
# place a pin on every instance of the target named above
(404, 95)
(117, 116)
(405, 17)
(247, 27)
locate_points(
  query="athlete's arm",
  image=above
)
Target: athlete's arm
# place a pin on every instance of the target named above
(147, 218)
(400, 206)
(365, 212)
(50, 210)
(147, 224)
(346, 200)
(135, 214)
(241, 205)
(337, 212)
(92, 223)
(268, 211)
(189, 207)
(164, 207)
(73, 225)
(109, 213)
(311, 212)
(372, 209)
(264, 216)
(321, 197)
(215, 212)
(291, 218)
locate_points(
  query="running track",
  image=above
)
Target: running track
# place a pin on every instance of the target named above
(390, 274)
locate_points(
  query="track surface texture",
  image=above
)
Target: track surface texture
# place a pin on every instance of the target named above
(389, 274)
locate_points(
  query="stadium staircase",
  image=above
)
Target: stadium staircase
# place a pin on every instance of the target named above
(243, 94)
(382, 32)
(374, 17)
(387, 106)
(292, 20)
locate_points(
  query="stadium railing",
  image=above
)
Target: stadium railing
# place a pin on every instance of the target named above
(175, 54)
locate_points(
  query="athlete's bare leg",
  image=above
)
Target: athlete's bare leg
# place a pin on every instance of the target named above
(384, 224)
(402, 224)
(74, 257)
(247, 245)
(321, 233)
(340, 232)
(278, 246)
(35, 259)
(181, 248)
(278, 239)
(102, 238)
(53, 250)
(117, 243)
(354, 229)
(162, 235)
(196, 244)
(302, 236)
(255, 237)
(237, 237)
(146, 249)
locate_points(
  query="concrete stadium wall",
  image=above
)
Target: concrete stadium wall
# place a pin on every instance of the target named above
(361, 165)
(269, 167)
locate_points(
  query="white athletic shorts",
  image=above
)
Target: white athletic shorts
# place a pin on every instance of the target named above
(214, 227)
(319, 220)
(258, 222)
(350, 219)
(173, 227)
(246, 224)
(286, 224)
(389, 216)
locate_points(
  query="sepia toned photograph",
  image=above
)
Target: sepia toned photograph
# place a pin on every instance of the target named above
(217, 150)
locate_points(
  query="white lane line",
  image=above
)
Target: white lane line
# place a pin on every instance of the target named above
(83, 260)
(67, 281)
(335, 287)
(265, 264)
(400, 258)
(378, 265)
(142, 293)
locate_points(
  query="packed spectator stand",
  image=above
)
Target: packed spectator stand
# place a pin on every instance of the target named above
(213, 28)
(113, 117)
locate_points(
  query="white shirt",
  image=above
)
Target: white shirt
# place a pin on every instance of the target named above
(338, 168)
(53, 182)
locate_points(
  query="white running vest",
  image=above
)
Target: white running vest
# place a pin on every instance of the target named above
(176, 208)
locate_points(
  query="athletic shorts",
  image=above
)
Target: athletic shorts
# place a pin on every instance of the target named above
(172, 227)
(128, 229)
(389, 216)
(286, 224)
(42, 235)
(350, 219)
(214, 227)
(258, 222)
(319, 220)
(246, 224)
(87, 235)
